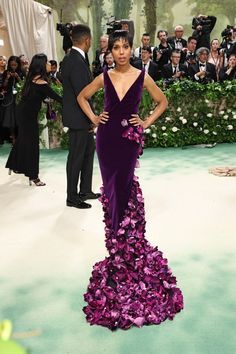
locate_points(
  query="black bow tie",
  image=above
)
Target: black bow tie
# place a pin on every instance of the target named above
(178, 40)
(201, 64)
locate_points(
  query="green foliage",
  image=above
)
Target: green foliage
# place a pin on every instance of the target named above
(122, 9)
(214, 7)
(196, 114)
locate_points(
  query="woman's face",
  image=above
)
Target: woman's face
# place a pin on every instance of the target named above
(215, 44)
(3, 62)
(13, 65)
(121, 52)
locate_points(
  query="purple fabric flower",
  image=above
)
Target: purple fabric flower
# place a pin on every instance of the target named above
(134, 285)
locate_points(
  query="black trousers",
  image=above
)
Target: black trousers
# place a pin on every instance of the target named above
(80, 162)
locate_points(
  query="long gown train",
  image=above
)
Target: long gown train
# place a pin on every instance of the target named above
(133, 285)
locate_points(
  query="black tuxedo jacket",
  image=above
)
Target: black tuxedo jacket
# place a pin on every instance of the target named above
(152, 69)
(75, 76)
(210, 68)
(171, 41)
(167, 71)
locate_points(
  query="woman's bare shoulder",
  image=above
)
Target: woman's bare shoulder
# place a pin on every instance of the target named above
(39, 81)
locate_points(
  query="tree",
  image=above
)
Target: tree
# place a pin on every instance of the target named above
(151, 18)
(122, 9)
(165, 16)
(214, 7)
(97, 13)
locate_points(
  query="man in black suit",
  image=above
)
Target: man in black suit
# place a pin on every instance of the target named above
(175, 70)
(146, 63)
(161, 53)
(188, 55)
(178, 42)
(202, 72)
(203, 25)
(75, 76)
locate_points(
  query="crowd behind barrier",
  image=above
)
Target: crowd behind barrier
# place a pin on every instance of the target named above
(197, 74)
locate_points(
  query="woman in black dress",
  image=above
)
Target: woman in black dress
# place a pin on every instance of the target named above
(24, 156)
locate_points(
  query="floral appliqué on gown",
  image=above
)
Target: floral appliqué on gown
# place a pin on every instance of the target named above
(133, 285)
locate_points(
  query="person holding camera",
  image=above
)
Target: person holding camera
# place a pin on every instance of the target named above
(55, 75)
(202, 72)
(175, 71)
(229, 72)
(99, 56)
(203, 25)
(162, 52)
(145, 42)
(188, 54)
(11, 77)
(228, 45)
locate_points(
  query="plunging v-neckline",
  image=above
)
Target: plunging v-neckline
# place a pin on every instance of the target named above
(120, 100)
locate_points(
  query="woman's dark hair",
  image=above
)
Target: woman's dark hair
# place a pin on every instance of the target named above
(17, 60)
(116, 36)
(37, 68)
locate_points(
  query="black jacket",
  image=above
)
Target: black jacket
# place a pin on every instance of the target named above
(223, 76)
(152, 69)
(210, 69)
(75, 76)
(167, 71)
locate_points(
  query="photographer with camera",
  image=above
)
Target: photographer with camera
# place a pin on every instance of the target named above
(188, 55)
(99, 56)
(162, 52)
(202, 72)
(175, 71)
(229, 72)
(203, 25)
(65, 31)
(228, 45)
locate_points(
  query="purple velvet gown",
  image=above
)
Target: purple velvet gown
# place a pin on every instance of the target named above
(133, 285)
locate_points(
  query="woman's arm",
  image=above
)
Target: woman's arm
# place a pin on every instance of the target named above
(158, 97)
(84, 96)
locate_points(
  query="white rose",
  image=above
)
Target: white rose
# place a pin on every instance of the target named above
(214, 133)
(65, 129)
(174, 129)
(195, 115)
(195, 124)
(226, 116)
(154, 135)
(205, 131)
(206, 101)
(184, 121)
(228, 110)
(168, 119)
(180, 118)
(222, 112)
(234, 116)
(150, 112)
(178, 109)
(200, 129)
(147, 131)
(230, 127)
(163, 128)
(164, 134)
(209, 115)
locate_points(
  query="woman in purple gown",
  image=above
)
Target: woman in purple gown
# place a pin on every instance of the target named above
(133, 285)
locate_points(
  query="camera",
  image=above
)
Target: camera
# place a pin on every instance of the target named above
(113, 25)
(202, 21)
(64, 28)
(190, 57)
(228, 31)
(163, 51)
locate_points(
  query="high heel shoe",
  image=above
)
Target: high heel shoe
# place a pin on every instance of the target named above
(9, 171)
(37, 182)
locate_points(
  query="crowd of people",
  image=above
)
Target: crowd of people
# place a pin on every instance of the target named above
(197, 57)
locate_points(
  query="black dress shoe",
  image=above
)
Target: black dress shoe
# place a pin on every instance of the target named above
(90, 195)
(78, 204)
